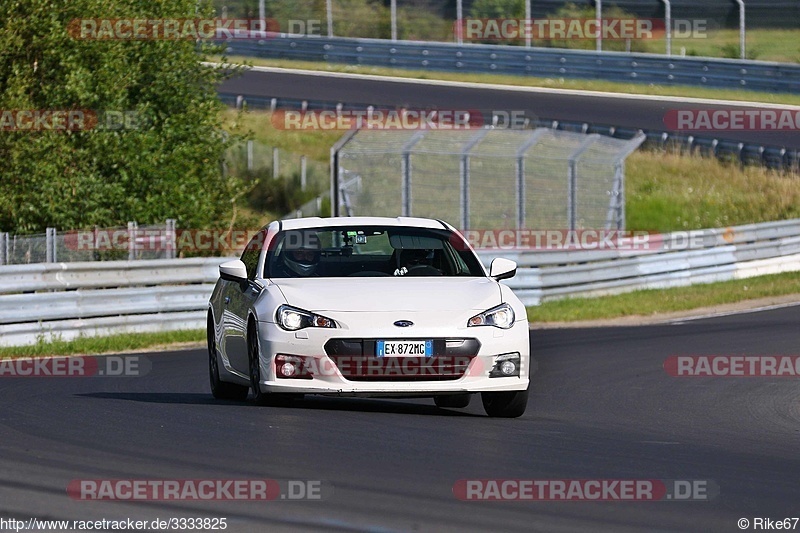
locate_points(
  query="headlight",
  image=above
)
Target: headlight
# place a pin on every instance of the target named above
(501, 316)
(292, 319)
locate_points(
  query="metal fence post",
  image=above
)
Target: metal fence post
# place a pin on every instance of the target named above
(3, 248)
(599, 17)
(170, 244)
(250, 156)
(520, 168)
(276, 163)
(132, 240)
(464, 172)
(393, 16)
(50, 245)
(618, 191)
(303, 177)
(335, 169)
(329, 16)
(405, 172)
(741, 28)
(460, 21)
(668, 25)
(572, 177)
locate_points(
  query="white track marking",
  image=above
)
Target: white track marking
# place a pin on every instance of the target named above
(730, 313)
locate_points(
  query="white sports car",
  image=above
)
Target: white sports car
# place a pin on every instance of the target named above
(368, 306)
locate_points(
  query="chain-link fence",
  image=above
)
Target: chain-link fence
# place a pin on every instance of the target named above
(251, 158)
(131, 242)
(487, 178)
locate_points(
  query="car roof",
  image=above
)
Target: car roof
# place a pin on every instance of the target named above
(317, 222)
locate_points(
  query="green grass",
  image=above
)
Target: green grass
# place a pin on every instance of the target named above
(315, 145)
(781, 45)
(525, 81)
(99, 345)
(668, 191)
(653, 302)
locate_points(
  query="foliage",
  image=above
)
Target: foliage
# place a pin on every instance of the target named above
(574, 11)
(167, 166)
(492, 9)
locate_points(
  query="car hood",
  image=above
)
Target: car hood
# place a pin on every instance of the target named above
(390, 294)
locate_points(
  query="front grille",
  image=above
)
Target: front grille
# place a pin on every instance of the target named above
(356, 360)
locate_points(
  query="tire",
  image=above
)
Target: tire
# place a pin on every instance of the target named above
(263, 398)
(510, 404)
(452, 401)
(221, 390)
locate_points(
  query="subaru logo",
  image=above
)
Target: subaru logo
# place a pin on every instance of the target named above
(403, 323)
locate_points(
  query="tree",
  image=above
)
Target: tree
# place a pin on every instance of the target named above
(168, 166)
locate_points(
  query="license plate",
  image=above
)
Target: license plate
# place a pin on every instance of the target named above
(404, 348)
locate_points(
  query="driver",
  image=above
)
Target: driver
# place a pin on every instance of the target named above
(301, 262)
(417, 258)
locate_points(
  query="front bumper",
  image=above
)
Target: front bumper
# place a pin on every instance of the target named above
(330, 376)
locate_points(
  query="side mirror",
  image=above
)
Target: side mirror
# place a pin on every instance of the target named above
(233, 271)
(502, 268)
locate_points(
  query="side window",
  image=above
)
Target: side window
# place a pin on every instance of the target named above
(251, 253)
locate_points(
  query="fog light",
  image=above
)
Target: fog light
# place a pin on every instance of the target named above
(506, 365)
(508, 368)
(288, 370)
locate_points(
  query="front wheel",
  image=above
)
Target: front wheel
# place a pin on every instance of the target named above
(510, 404)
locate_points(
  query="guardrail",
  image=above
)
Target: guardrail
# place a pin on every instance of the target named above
(66, 300)
(714, 255)
(541, 62)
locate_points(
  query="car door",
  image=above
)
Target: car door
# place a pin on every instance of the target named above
(238, 298)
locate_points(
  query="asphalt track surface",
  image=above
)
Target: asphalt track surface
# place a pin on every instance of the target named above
(618, 111)
(601, 407)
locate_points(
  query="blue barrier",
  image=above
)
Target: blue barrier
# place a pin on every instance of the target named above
(540, 62)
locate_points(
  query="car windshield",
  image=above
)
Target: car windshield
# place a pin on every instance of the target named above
(369, 251)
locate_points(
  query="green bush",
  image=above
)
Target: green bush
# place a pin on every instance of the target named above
(169, 167)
